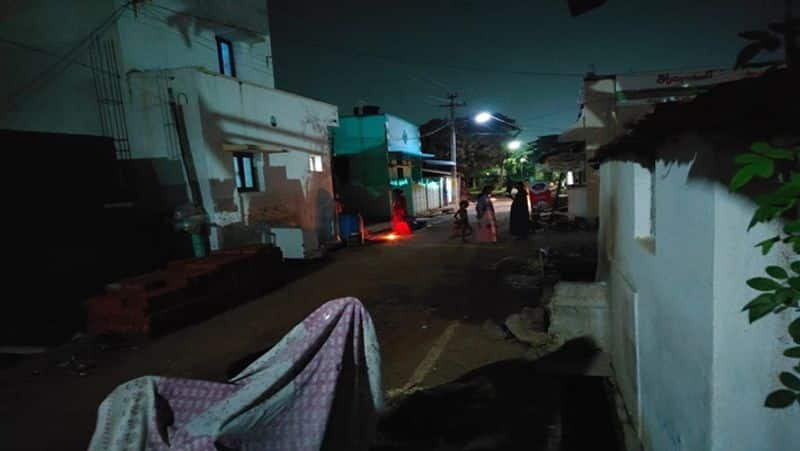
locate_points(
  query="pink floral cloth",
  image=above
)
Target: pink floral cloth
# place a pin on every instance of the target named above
(318, 388)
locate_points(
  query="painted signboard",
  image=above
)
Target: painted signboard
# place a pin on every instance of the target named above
(661, 85)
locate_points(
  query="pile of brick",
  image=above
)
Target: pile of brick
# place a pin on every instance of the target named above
(186, 291)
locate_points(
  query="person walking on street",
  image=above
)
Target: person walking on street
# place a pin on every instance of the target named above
(520, 215)
(487, 221)
(400, 224)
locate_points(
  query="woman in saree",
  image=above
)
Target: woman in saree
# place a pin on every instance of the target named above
(487, 222)
(400, 224)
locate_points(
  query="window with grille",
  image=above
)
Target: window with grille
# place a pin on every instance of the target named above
(314, 163)
(245, 171)
(227, 65)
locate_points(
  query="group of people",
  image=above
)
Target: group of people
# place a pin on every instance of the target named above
(525, 201)
(487, 221)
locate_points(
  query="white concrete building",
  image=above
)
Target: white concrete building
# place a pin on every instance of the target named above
(611, 102)
(675, 253)
(112, 68)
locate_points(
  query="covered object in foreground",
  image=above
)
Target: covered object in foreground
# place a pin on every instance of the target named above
(318, 388)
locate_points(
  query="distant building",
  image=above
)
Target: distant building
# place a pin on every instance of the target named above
(376, 153)
(611, 102)
(675, 253)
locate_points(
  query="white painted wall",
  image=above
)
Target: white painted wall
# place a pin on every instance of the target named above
(151, 37)
(220, 110)
(596, 126)
(660, 296)
(692, 373)
(183, 40)
(747, 357)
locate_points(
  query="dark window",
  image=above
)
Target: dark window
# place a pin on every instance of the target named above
(227, 65)
(244, 169)
(400, 173)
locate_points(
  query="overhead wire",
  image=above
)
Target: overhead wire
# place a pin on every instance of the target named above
(67, 58)
(243, 58)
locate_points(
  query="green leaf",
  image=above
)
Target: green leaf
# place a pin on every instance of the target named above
(794, 330)
(785, 295)
(766, 245)
(765, 213)
(793, 353)
(794, 282)
(780, 399)
(749, 158)
(762, 299)
(760, 306)
(763, 284)
(760, 146)
(742, 176)
(777, 272)
(764, 168)
(773, 152)
(792, 228)
(790, 381)
(759, 311)
(796, 266)
(764, 148)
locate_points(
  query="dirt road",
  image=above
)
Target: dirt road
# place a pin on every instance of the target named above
(428, 296)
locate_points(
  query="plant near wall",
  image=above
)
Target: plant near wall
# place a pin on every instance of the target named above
(780, 288)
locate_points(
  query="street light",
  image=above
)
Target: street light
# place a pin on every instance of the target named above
(514, 145)
(483, 117)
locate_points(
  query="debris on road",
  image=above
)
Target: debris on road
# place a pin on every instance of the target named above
(522, 281)
(529, 326)
(494, 330)
(516, 265)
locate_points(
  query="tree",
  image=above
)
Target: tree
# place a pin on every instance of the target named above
(781, 34)
(479, 147)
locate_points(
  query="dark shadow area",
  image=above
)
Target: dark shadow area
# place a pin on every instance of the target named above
(362, 184)
(85, 220)
(293, 271)
(727, 118)
(513, 404)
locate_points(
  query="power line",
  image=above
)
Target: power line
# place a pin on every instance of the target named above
(31, 48)
(247, 30)
(70, 55)
(210, 20)
(200, 40)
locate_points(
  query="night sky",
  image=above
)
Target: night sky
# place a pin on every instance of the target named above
(521, 58)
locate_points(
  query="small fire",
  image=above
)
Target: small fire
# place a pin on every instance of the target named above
(391, 237)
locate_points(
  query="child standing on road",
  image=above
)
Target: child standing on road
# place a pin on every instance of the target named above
(461, 225)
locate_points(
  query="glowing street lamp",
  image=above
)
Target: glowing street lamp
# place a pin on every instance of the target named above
(483, 117)
(514, 145)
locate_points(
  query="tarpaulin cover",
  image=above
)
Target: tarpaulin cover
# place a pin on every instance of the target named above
(318, 388)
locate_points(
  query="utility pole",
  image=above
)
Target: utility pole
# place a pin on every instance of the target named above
(451, 105)
(788, 37)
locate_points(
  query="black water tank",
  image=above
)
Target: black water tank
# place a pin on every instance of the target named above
(366, 110)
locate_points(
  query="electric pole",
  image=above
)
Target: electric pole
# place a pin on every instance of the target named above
(451, 105)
